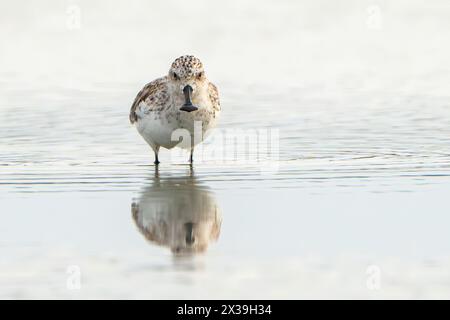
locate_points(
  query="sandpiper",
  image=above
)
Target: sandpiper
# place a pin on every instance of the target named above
(176, 101)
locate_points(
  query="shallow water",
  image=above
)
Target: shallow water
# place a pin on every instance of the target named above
(353, 205)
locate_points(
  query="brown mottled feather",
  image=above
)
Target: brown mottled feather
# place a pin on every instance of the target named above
(154, 94)
(214, 96)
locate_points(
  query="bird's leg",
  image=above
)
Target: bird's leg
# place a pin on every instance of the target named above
(156, 150)
(191, 158)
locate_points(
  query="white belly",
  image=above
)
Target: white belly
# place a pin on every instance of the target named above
(159, 128)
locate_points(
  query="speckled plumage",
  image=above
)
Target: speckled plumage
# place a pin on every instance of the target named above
(156, 108)
(154, 94)
(186, 66)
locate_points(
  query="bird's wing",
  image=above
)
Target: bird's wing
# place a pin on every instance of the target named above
(214, 96)
(154, 96)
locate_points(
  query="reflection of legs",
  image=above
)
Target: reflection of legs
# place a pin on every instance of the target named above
(191, 171)
(156, 171)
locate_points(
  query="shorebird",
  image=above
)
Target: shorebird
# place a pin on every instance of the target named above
(176, 101)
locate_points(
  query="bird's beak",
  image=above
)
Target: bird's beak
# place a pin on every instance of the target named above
(188, 106)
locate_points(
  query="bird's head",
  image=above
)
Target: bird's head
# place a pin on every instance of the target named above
(187, 78)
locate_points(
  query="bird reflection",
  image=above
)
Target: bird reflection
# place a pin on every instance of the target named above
(178, 213)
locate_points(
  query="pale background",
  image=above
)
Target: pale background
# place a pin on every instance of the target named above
(359, 91)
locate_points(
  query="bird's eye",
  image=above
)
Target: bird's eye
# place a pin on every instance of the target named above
(199, 75)
(175, 76)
